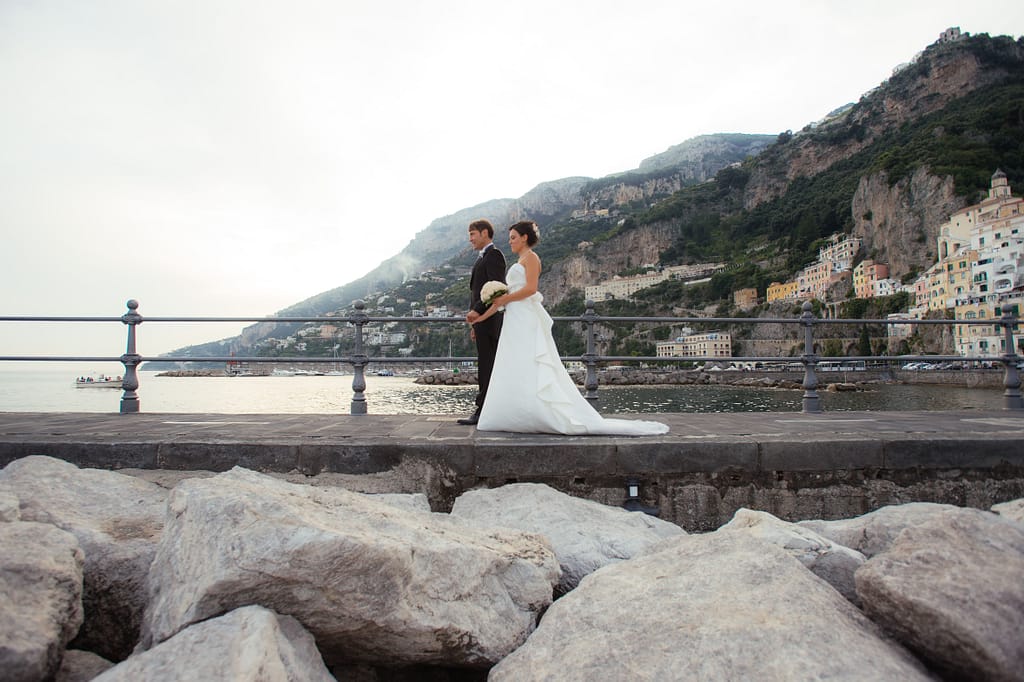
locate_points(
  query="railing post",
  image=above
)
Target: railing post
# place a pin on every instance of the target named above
(130, 360)
(811, 401)
(359, 360)
(1011, 377)
(590, 357)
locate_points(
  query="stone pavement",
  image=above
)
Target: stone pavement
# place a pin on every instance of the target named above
(315, 443)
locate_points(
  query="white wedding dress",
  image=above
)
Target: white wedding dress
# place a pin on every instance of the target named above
(530, 390)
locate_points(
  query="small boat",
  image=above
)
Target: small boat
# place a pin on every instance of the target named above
(101, 381)
(384, 373)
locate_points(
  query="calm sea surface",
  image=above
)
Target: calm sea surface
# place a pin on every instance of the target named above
(35, 388)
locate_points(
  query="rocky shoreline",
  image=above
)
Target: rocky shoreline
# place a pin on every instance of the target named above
(247, 576)
(671, 378)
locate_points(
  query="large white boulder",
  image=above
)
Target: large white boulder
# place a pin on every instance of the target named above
(40, 599)
(832, 563)
(720, 606)
(585, 535)
(117, 520)
(952, 589)
(250, 644)
(9, 507)
(872, 533)
(1013, 510)
(373, 583)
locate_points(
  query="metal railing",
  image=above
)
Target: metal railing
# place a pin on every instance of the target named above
(811, 402)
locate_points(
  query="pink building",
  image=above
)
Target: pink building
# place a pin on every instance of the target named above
(865, 276)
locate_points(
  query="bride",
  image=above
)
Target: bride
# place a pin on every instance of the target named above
(530, 390)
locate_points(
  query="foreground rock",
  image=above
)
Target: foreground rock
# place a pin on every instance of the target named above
(248, 644)
(721, 606)
(81, 666)
(40, 599)
(584, 534)
(117, 520)
(1013, 510)
(951, 590)
(875, 531)
(832, 563)
(9, 508)
(371, 582)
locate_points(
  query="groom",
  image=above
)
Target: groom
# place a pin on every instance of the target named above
(489, 267)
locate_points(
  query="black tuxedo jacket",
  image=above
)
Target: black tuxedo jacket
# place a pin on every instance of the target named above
(490, 267)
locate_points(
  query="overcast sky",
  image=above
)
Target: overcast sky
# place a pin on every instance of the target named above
(232, 157)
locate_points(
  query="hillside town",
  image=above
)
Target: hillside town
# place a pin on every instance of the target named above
(978, 274)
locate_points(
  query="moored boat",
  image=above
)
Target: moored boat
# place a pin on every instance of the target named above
(101, 381)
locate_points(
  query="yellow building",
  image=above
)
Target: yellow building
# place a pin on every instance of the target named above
(950, 279)
(783, 291)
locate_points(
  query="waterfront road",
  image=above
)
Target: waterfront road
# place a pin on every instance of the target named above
(318, 443)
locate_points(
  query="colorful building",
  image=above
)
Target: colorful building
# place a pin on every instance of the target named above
(865, 275)
(706, 345)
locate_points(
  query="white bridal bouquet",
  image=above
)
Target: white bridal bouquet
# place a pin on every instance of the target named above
(491, 291)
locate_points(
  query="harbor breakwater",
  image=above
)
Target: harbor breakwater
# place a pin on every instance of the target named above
(246, 576)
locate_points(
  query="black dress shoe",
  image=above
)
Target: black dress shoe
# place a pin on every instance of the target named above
(470, 420)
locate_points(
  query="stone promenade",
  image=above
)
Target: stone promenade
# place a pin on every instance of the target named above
(792, 464)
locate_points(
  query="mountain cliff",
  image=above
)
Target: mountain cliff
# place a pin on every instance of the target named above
(548, 203)
(889, 168)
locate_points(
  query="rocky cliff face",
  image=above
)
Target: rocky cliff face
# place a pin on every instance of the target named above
(900, 223)
(941, 73)
(694, 161)
(548, 199)
(699, 158)
(596, 263)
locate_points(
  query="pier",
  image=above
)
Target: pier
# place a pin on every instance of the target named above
(793, 465)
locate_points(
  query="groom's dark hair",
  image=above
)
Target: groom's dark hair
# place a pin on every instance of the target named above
(482, 226)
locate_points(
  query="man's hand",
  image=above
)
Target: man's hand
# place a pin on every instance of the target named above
(472, 316)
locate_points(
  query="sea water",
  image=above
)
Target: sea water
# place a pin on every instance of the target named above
(37, 387)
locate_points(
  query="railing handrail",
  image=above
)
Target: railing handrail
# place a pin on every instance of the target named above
(359, 360)
(556, 318)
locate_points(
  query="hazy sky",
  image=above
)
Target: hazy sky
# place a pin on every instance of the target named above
(232, 157)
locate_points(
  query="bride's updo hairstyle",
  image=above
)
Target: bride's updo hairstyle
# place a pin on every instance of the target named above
(528, 229)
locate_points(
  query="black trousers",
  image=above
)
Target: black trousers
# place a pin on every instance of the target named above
(487, 334)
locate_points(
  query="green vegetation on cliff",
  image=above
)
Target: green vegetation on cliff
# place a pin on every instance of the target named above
(967, 140)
